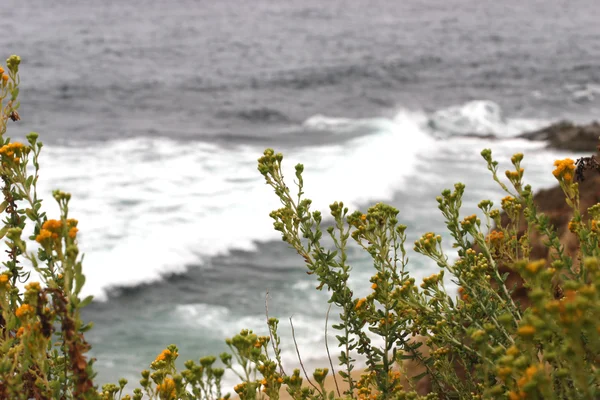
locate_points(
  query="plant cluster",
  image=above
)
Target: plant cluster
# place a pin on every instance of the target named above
(482, 344)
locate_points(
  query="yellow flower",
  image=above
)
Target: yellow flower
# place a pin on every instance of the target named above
(503, 372)
(4, 79)
(526, 330)
(24, 310)
(363, 217)
(164, 355)
(44, 234)
(496, 236)
(52, 225)
(241, 387)
(33, 286)
(535, 266)
(13, 150)
(374, 286)
(1, 70)
(572, 226)
(166, 390)
(73, 232)
(564, 169)
(360, 303)
(514, 396)
(507, 201)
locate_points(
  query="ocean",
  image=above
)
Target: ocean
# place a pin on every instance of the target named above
(154, 114)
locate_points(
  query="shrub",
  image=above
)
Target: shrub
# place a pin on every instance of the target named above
(482, 343)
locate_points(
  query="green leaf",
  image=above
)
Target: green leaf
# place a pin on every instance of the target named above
(85, 301)
(3, 231)
(86, 327)
(79, 282)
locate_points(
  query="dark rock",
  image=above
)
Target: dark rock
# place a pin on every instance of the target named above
(565, 135)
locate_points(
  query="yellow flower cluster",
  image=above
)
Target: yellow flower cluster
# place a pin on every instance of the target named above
(33, 287)
(52, 228)
(564, 169)
(573, 226)
(166, 390)
(166, 355)
(261, 341)
(4, 280)
(431, 280)
(13, 151)
(360, 303)
(4, 76)
(526, 330)
(469, 221)
(462, 294)
(24, 310)
(496, 236)
(535, 266)
(515, 175)
(507, 202)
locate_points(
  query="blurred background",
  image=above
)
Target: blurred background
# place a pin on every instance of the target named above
(154, 113)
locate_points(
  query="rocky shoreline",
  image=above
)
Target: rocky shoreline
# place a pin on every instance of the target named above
(565, 135)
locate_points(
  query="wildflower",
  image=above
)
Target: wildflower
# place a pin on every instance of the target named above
(33, 287)
(514, 175)
(44, 234)
(20, 332)
(363, 217)
(526, 330)
(514, 396)
(374, 286)
(572, 226)
(3, 279)
(360, 303)
(512, 351)
(52, 225)
(166, 390)
(535, 266)
(564, 169)
(73, 232)
(165, 355)
(13, 150)
(496, 236)
(503, 372)
(507, 201)
(240, 387)
(469, 221)
(4, 79)
(530, 373)
(24, 310)
(517, 157)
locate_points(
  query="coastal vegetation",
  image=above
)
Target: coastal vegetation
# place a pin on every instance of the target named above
(484, 343)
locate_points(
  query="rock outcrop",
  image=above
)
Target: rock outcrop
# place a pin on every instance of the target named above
(565, 135)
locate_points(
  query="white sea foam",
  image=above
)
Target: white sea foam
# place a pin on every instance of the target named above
(151, 206)
(480, 118)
